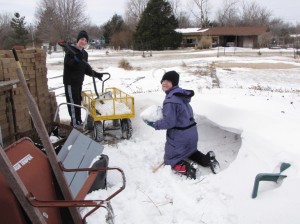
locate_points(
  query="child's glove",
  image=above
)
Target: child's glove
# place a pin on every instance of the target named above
(150, 123)
(98, 75)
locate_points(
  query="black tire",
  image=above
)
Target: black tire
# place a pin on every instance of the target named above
(98, 131)
(116, 123)
(126, 128)
(90, 123)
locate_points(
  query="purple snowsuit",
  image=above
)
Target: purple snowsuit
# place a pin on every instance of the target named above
(178, 119)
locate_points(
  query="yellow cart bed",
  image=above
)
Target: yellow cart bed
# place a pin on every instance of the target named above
(113, 104)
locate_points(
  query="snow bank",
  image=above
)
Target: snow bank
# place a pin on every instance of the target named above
(250, 130)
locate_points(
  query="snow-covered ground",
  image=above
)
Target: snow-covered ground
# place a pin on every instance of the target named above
(252, 122)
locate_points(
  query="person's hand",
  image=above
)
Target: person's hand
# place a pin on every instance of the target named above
(150, 123)
(98, 75)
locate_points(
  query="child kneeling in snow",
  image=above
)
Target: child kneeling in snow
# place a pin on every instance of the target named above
(182, 134)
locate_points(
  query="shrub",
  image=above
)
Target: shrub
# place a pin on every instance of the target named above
(125, 64)
(205, 43)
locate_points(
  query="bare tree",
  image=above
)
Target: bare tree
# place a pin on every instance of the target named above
(182, 16)
(46, 25)
(122, 39)
(244, 13)
(281, 32)
(200, 10)
(133, 12)
(254, 14)
(227, 15)
(176, 6)
(135, 8)
(5, 30)
(64, 16)
(184, 20)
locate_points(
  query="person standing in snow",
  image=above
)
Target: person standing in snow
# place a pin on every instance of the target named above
(75, 67)
(182, 134)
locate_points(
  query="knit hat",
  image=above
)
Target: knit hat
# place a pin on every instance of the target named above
(82, 34)
(171, 76)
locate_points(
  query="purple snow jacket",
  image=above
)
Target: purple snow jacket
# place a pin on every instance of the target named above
(178, 119)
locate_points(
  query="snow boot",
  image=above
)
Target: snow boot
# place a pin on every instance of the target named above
(185, 168)
(213, 164)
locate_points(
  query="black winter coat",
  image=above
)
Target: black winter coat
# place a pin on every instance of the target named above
(74, 70)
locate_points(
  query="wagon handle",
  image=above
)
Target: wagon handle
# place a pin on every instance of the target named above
(103, 81)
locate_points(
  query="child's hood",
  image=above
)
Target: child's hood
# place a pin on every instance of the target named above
(185, 94)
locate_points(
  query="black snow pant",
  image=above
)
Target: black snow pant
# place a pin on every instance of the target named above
(201, 159)
(73, 95)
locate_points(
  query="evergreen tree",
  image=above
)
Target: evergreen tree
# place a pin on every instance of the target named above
(156, 28)
(20, 35)
(113, 26)
(47, 30)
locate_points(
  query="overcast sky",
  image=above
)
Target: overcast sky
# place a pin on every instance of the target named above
(100, 11)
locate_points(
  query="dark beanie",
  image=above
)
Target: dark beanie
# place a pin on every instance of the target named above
(83, 34)
(171, 76)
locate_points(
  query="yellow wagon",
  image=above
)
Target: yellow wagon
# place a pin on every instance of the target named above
(113, 104)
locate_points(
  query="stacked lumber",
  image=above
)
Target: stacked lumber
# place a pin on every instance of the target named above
(15, 117)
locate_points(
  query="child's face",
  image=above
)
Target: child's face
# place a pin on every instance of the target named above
(166, 85)
(81, 43)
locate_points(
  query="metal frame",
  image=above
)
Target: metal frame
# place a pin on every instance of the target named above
(79, 202)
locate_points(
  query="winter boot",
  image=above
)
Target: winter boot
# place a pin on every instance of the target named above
(185, 168)
(78, 125)
(213, 164)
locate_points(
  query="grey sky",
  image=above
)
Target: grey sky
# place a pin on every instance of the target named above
(100, 11)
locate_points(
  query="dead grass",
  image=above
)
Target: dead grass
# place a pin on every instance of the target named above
(123, 63)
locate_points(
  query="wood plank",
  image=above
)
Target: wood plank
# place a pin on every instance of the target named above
(43, 134)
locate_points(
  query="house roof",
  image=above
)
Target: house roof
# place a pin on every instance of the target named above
(295, 35)
(191, 30)
(230, 31)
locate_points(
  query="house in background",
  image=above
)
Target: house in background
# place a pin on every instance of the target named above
(191, 36)
(247, 37)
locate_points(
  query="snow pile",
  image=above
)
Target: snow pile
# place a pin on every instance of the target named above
(251, 130)
(53, 138)
(111, 107)
(152, 113)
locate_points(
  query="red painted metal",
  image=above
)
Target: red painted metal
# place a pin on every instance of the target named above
(35, 172)
(33, 167)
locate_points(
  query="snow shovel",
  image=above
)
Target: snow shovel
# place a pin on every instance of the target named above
(67, 47)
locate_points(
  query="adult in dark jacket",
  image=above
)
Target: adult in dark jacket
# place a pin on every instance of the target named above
(182, 134)
(75, 67)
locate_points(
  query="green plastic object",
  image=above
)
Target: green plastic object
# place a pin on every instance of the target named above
(284, 166)
(275, 177)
